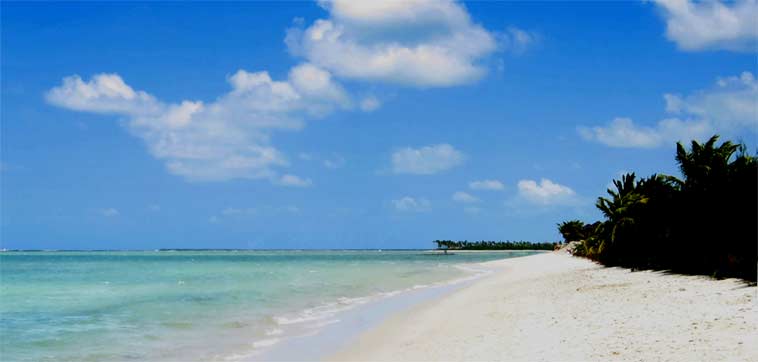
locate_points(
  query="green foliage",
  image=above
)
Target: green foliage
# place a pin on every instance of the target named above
(493, 245)
(572, 230)
(702, 224)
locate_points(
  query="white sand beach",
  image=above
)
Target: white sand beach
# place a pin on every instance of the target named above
(555, 307)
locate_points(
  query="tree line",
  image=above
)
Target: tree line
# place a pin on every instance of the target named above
(703, 223)
(493, 245)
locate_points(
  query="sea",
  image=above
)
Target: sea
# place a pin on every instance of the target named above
(206, 305)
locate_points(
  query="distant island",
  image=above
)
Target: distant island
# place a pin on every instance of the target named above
(492, 245)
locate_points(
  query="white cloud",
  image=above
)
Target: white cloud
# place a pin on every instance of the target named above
(623, 133)
(333, 161)
(711, 25)
(517, 40)
(730, 104)
(294, 181)
(545, 192)
(421, 43)
(109, 212)
(410, 204)
(426, 160)
(728, 107)
(426, 43)
(316, 83)
(104, 93)
(464, 197)
(226, 139)
(493, 185)
(387, 13)
(370, 104)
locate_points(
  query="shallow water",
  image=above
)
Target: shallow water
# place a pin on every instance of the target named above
(193, 305)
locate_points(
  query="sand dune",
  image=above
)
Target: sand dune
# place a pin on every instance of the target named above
(554, 307)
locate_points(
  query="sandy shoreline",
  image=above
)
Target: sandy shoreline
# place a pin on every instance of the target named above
(554, 307)
(456, 251)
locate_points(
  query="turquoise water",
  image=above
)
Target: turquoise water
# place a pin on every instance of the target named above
(192, 305)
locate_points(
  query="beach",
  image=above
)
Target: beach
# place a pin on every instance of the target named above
(364, 305)
(555, 307)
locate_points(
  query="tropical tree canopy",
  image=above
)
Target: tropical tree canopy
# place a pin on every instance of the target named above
(704, 223)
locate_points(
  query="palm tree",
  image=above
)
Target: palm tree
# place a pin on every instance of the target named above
(618, 209)
(705, 166)
(705, 223)
(621, 211)
(572, 230)
(718, 213)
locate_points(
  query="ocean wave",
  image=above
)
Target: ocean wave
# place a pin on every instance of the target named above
(265, 342)
(310, 321)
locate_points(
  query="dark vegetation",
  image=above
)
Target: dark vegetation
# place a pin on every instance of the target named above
(705, 223)
(493, 245)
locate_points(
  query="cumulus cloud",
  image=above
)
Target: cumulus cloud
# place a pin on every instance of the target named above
(426, 43)
(410, 204)
(464, 197)
(104, 93)
(710, 25)
(731, 103)
(545, 192)
(426, 160)
(316, 83)
(727, 107)
(418, 43)
(493, 185)
(225, 139)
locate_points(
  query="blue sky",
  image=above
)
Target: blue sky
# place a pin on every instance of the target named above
(386, 125)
